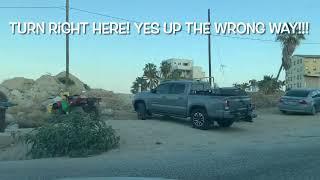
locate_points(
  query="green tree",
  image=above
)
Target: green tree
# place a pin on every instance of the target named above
(244, 86)
(269, 85)
(176, 74)
(165, 70)
(151, 74)
(253, 84)
(136, 83)
(289, 42)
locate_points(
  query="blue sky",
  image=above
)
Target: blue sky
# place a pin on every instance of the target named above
(113, 62)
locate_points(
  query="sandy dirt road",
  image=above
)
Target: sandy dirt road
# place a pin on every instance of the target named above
(275, 146)
(170, 134)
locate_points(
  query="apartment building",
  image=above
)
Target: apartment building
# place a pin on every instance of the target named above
(187, 68)
(197, 72)
(304, 72)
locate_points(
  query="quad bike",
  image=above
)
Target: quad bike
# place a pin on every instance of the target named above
(87, 104)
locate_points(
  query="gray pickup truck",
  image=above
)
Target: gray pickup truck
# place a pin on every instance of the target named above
(195, 99)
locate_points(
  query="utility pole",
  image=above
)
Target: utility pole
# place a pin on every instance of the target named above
(67, 44)
(211, 80)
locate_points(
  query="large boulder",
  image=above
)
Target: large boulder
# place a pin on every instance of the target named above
(4, 90)
(3, 96)
(75, 87)
(18, 83)
(111, 100)
(45, 87)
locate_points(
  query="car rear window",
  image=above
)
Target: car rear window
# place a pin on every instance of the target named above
(298, 93)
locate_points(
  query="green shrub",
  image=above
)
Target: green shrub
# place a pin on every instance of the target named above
(74, 135)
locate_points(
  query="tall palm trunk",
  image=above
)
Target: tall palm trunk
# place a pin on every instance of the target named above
(280, 69)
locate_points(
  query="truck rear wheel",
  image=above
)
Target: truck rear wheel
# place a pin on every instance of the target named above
(141, 111)
(199, 118)
(225, 122)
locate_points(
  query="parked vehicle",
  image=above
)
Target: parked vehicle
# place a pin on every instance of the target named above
(89, 105)
(195, 99)
(300, 100)
(4, 105)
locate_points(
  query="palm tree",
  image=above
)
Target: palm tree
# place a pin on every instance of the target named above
(140, 81)
(176, 74)
(289, 43)
(244, 86)
(165, 70)
(150, 72)
(269, 85)
(253, 84)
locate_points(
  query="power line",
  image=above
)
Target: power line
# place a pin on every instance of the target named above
(244, 38)
(31, 7)
(104, 15)
(217, 35)
(256, 39)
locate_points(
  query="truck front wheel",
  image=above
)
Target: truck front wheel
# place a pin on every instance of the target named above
(141, 111)
(200, 120)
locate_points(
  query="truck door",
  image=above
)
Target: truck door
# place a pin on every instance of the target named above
(158, 102)
(177, 99)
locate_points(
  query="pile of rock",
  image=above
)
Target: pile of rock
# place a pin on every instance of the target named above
(33, 96)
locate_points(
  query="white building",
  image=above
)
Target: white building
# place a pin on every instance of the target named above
(186, 66)
(198, 73)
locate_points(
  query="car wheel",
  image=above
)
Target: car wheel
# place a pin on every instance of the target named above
(283, 112)
(200, 120)
(225, 122)
(141, 111)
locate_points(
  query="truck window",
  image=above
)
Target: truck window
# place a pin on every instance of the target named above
(197, 87)
(200, 87)
(178, 89)
(163, 88)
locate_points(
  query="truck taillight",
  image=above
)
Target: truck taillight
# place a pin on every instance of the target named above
(226, 105)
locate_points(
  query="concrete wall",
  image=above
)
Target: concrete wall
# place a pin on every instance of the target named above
(312, 82)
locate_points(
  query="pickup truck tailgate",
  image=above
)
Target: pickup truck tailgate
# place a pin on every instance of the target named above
(239, 103)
